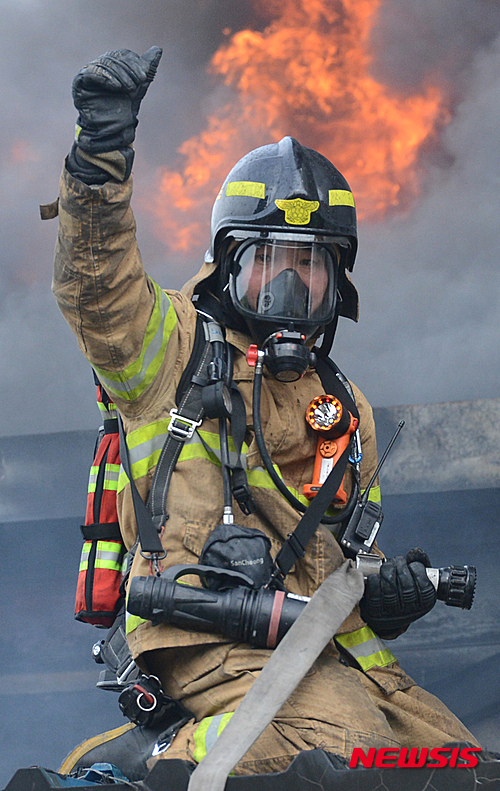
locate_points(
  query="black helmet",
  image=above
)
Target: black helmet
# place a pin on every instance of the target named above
(287, 189)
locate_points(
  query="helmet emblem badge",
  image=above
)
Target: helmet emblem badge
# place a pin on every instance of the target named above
(297, 211)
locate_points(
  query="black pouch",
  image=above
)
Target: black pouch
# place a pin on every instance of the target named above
(238, 548)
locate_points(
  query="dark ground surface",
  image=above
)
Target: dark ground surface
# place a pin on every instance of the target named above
(48, 701)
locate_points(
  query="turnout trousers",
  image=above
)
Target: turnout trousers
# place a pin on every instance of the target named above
(335, 707)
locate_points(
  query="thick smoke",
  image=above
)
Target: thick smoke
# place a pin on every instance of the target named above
(428, 279)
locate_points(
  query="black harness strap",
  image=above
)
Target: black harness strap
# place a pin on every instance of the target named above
(295, 545)
(336, 384)
(148, 535)
(239, 481)
(182, 426)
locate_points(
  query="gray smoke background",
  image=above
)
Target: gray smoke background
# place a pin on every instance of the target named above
(429, 279)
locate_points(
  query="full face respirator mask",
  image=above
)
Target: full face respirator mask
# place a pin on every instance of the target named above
(285, 287)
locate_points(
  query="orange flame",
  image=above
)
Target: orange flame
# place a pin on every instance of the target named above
(307, 74)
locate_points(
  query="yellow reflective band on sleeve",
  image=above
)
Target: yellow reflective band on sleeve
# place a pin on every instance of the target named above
(134, 380)
(207, 732)
(366, 648)
(340, 198)
(246, 189)
(132, 622)
(374, 495)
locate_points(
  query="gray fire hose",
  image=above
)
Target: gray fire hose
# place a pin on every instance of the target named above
(298, 650)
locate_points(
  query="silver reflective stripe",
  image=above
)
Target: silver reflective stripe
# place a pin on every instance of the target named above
(147, 448)
(149, 354)
(103, 555)
(369, 647)
(112, 472)
(233, 456)
(212, 732)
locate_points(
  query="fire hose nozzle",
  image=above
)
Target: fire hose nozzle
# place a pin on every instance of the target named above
(455, 585)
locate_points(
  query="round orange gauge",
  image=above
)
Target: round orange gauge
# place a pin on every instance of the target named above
(324, 412)
(327, 448)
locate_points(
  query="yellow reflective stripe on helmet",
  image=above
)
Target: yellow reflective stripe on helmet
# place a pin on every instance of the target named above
(366, 648)
(207, 732)
(340, 198)
(133, 380)
(246, 189)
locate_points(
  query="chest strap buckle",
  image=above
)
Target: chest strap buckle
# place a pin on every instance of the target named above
(180, 427)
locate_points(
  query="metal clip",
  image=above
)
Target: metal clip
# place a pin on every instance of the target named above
(182, 432)
(355, 459)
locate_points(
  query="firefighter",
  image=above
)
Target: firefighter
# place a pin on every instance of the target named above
(283, 244)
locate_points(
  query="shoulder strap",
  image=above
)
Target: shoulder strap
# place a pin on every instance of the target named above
(151, 516)
(185, 419)
(336, 384)
(148, 535)
(295, 545)
(189, 370)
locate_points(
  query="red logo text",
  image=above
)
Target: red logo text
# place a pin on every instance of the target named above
(415, 757)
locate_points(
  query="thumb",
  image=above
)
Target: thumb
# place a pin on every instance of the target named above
(151, 59)
(418, 555)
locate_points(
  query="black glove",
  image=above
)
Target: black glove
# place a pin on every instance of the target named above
(107, 93)
(400, 594)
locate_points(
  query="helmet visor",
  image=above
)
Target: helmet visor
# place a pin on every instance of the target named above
(285, 277)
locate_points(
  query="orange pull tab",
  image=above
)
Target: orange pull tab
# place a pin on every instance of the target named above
(326, 415)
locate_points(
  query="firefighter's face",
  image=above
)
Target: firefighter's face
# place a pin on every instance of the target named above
(268, 263)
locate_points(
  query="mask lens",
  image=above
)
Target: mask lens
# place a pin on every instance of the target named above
(283, 279)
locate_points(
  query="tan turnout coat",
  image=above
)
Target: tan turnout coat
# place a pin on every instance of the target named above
(139, 339)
